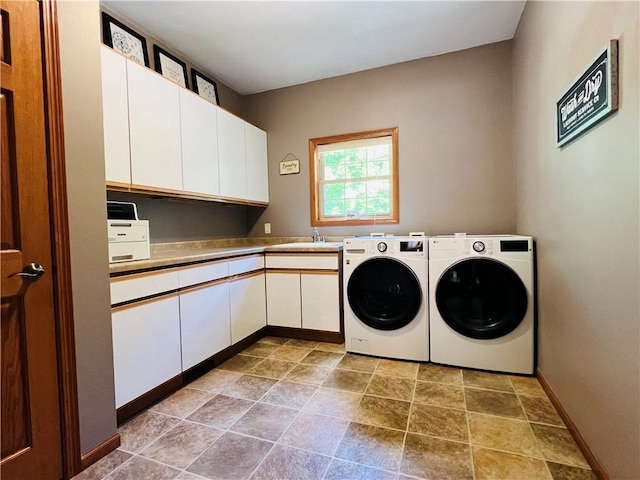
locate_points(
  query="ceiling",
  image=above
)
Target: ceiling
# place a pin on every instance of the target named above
(256, 46)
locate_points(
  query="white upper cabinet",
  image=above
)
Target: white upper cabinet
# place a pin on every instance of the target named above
(231, 155)
(115, 113)
(198, 125)
(154, 129)
(257, 166)
(161, 137)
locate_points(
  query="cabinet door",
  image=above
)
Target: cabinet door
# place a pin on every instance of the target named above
(283, 299)
(248, 306)
(204, 321)
(115, 116)
(231, 155)
(146, 347)
(198, 127)
(320, 293)
(154, 129)
(257, 166)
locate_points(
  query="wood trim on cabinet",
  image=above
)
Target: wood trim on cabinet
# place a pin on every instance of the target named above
(222, 356)
(313, 271)
(146, 273)
(118, 186)
(589, 456)
(252, 273)
(301, 254)
(316, 271)
(138, 302)
(203, 286)
(99, 451)
(157, 192)
(305, 334)
(69, 410)
(136, 405)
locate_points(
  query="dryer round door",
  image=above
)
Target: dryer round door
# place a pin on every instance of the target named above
(384, 293)
(481, 298)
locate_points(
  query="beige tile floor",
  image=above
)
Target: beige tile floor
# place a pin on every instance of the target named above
(294, 409)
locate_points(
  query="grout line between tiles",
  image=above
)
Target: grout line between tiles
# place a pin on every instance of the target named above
(349, 420)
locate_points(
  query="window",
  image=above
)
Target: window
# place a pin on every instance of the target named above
(354, 178)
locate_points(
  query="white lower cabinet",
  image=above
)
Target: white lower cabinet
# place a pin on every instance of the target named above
(248, 309)
(204, 323)
(146, 346)
(320, 294)
(283, 299)
(303, 291)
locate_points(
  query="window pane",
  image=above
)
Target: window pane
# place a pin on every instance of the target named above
(334, 208)
(356, 169)
(333, 191)
(378, 188)
(377, 168)
(333, 166)
(378, 206)
(355, 206)
(355, 189)
(379, 152)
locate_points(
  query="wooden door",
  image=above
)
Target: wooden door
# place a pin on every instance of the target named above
(31, 441)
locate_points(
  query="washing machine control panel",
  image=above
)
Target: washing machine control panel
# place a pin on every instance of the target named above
(409, 247)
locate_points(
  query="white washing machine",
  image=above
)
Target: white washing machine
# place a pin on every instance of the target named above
(385, 291)
(481, 296)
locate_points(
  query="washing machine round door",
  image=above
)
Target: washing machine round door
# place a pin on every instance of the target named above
(481, 298)
(384, 293)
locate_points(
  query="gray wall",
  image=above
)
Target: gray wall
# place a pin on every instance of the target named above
(581, 202)
(172, 220)
(84, 152)
(453, 114)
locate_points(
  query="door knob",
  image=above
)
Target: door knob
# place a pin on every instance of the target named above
(31, 271)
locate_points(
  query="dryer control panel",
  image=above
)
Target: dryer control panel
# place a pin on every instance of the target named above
(503, 246)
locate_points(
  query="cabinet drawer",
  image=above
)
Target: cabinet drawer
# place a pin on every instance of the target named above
(124, 289)
(203, 273)
(316, 261)
(246, 264)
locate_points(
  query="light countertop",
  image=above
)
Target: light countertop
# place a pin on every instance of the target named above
(181, 253)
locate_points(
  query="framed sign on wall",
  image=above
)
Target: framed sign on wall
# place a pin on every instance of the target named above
(204, 86)
(170, 66)
(125, 40)
(591, 98)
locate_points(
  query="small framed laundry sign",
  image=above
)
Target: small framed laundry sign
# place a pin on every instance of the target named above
(289, 164)
(591, 98)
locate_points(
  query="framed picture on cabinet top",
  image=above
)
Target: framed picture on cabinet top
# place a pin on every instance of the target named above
(170, 66)
(125, 40)
(204, 86)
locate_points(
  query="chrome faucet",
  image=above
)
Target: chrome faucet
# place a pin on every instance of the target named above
(315, 236)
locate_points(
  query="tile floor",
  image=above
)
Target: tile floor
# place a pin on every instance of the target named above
(294, 409)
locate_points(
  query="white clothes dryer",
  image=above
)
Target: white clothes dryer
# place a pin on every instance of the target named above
(385, 291)
(481, 296)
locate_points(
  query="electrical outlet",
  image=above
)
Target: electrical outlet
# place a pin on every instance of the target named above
(267, 228)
